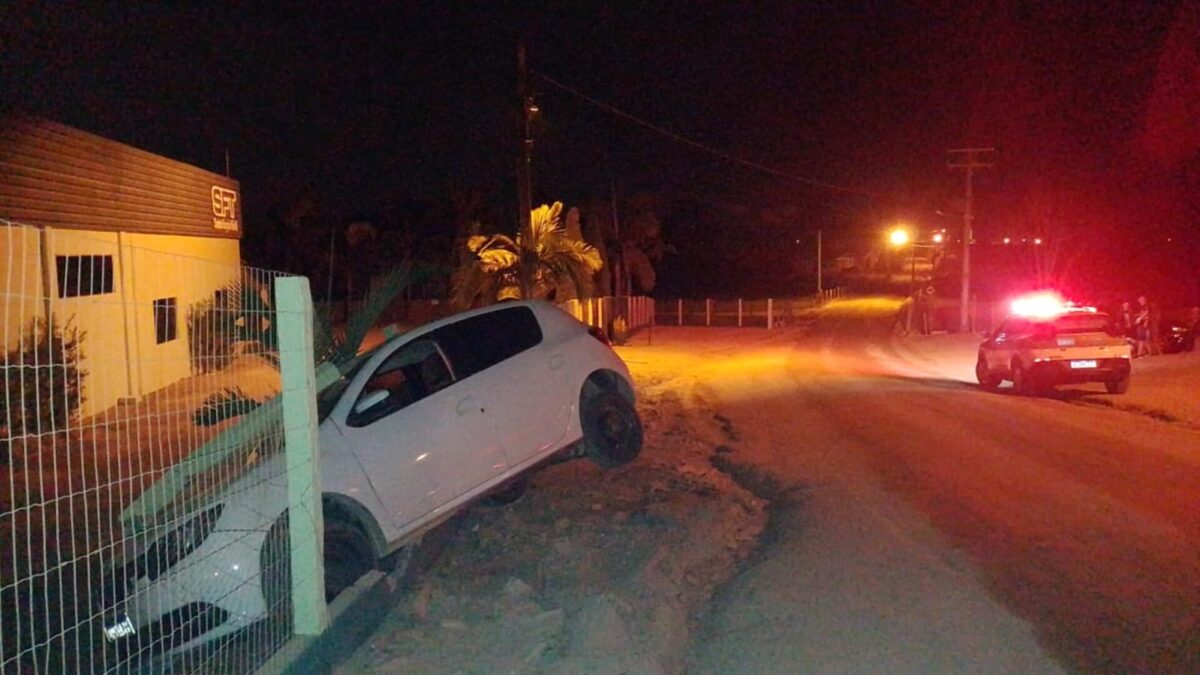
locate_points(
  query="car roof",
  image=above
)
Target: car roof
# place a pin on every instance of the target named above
(539, 308)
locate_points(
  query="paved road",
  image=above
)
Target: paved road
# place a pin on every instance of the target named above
(934, 527)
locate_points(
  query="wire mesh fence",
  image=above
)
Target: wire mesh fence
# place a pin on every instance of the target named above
(616, 316)
(142, 484)
(741, 312)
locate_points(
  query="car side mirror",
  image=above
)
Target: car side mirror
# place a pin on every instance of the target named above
(371, 400)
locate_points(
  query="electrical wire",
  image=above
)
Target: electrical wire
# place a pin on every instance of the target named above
(695, 144)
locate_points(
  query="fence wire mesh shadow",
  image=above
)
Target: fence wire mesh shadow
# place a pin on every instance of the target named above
(141, 472)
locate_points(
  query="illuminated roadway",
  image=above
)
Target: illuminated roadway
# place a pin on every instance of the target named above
(931, 526)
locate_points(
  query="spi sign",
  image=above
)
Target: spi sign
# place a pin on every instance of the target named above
(224, 208)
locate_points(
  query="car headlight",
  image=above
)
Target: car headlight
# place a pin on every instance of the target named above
(177, 544)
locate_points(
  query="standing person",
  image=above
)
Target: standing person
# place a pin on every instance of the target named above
(1142, 327)
(1193, 327)
(1126, 322)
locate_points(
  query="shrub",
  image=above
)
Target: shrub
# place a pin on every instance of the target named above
(240, 312)
(212, 332)
(41, 388)
(223, 405)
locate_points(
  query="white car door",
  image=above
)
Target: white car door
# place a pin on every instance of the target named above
(524, 381)
(422, 437)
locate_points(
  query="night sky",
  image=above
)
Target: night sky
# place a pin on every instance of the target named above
(1091, 106)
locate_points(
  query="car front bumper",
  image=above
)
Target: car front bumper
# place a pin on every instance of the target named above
(212, 592)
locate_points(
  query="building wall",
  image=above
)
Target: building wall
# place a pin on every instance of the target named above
(21, 296)
(161, 229)
(189, 269)
(120, 350)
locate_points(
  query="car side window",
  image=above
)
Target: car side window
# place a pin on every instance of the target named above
(480, 342)
(414, 371)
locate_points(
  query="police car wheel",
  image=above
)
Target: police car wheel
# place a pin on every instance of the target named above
(1117, 386)
(986, 378)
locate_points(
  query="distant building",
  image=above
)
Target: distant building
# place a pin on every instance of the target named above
(118, 241)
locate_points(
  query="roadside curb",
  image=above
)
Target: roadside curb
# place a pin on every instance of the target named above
(371, 596)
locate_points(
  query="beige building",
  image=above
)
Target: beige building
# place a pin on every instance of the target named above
(116, 241)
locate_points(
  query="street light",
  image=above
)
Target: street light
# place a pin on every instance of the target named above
(899, 237)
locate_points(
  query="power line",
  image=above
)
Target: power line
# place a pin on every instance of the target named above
(695, 144)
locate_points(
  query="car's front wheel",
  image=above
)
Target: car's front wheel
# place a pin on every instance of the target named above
(612, 431)
(1021, 380)
(348, 555)
(987, 379)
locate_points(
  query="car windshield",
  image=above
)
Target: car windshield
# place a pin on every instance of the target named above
(328, 397)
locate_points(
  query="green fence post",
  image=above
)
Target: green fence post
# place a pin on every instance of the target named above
(293, 304)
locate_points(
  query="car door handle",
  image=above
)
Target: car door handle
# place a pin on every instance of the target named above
(557, 361)
(466, 405)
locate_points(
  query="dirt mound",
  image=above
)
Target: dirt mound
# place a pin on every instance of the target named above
(591, 572)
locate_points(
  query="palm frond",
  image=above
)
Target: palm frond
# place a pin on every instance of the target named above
(368, 314)
(497, 259)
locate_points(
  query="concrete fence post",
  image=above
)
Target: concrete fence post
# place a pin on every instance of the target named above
(708, 311)
(739, 312)
(681, 311)
(302, 452)
(770, 313)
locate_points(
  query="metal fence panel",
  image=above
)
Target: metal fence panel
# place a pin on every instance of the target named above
(141, 476)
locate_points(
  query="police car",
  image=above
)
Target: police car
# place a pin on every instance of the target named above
(1046, 342)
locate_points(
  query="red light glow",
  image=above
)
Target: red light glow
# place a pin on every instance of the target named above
(1041, 305)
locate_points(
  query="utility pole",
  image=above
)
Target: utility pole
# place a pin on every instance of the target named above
(969, 159)
(818, 265)
(619, 253)
(525, 162)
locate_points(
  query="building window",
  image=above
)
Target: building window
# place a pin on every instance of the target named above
(84, 275)
(164, 320)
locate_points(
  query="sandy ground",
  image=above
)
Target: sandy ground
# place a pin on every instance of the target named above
(591, 571)
(936, 527)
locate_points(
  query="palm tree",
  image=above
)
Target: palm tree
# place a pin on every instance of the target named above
(631, 252)
(543, 261)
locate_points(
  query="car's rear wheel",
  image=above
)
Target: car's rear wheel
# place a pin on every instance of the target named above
(509, 492)
(1118, 385)
(612, 431)
(986, 378)
(1021, 382)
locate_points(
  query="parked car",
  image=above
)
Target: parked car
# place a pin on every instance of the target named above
(418, 428)
(1052, 345)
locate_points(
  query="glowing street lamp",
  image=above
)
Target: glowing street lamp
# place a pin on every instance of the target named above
(898, 237)
(938, 237)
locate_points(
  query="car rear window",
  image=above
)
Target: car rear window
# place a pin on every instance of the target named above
(482, 341)
(1091, 322)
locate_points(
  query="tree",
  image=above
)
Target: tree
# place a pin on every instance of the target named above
(542, 261)
(630, 250)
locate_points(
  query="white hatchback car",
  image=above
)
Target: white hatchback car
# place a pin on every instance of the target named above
(418, 428)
